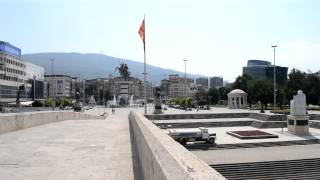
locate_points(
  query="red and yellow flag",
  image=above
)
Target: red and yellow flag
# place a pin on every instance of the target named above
(142, 32)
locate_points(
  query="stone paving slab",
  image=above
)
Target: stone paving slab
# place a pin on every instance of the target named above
(86, 149)
(246, 155)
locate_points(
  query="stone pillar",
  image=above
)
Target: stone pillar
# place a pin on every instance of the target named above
(298, 121)
(237, 102)
(232, 102)
(157, 103)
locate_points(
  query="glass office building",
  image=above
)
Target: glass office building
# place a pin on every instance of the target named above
(260, 69)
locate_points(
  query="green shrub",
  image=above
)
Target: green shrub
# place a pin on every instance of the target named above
(50, 102)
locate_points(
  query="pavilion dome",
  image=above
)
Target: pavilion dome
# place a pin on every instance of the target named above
(237, 92)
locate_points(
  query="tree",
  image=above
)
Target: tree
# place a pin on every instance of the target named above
(281, 97)
(242, 82)
(296, 81)
(182, 102)
(263, 92)
(313, 89)
(62, 101)
(214, 94)
(201, 97)
(50, 102)
(245, 83)
(223, 93)
(188, 101)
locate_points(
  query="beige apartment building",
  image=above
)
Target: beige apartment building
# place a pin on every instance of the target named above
(57, 86)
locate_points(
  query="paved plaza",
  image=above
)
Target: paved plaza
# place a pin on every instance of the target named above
(260, 154)
(73, 149)
(102, 148)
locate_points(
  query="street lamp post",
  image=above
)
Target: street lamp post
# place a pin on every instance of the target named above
(34, 87)
(185, 77)
(274, 76)
(53, 93)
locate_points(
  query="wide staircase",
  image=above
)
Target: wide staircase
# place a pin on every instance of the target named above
(290, 169)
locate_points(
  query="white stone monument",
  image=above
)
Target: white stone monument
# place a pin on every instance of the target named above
(298, 121)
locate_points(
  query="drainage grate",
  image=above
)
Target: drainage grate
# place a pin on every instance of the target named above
(291, 169)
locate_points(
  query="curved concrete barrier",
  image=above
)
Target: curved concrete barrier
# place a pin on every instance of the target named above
(162, 158)
(12, 122)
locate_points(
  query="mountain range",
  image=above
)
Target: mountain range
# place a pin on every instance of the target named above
(90, 66)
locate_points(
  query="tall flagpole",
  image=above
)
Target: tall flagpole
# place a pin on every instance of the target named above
(145, 67)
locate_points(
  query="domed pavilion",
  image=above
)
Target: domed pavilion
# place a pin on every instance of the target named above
(237, 99)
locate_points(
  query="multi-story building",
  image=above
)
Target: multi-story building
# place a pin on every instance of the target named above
(216, 82)
(256, 69)
(74, 87)
(177, 86)
(281, 74)
(57, 86)
(202, 83)
(35, 77)
(12, 74)
(125, 88)
(173, 77)
(164, 88)
(260, 69)
(97, 88)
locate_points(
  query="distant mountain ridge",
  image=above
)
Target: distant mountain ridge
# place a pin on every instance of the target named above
(90, 66)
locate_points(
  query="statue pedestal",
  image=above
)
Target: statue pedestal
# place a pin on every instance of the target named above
(298, 125)
(157, 107)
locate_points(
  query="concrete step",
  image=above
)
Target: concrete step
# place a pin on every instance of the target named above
(291, 169)
(204, 146)
(268, 124)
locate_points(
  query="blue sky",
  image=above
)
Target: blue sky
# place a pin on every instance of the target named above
(217, 37)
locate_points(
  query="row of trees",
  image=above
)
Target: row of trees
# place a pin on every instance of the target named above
(212, 96)
(181, 101)
(262, 90)
(59, 102)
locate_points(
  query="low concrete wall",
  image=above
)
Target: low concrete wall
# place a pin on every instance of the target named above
(314, 116)
(268, 117)
(258, 116)
(163, 158)
(314, 124)
(196, 116)
(17, 121)
(203, 124)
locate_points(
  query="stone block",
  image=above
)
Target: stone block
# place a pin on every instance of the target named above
(298, 104)
(298, 125)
